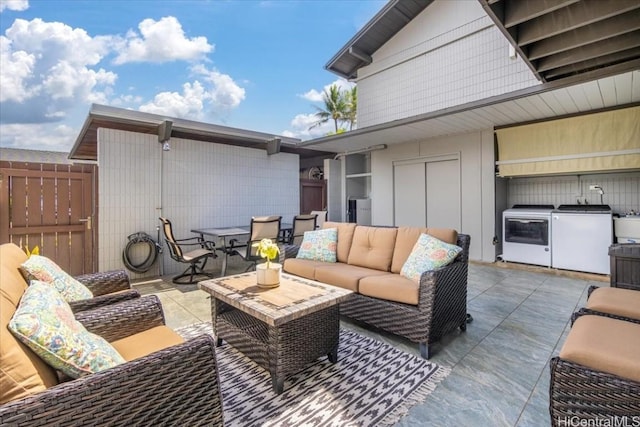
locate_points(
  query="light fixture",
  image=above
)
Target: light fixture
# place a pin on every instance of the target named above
(166, 146)
(363, 150)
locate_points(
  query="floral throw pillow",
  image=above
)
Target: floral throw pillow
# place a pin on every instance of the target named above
(45, 323)
(428, 254)
(43, 269)
(319, 245)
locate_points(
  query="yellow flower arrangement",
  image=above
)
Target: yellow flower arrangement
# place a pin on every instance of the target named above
(268, 249)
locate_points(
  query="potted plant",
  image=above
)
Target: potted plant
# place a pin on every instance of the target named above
(268, 273)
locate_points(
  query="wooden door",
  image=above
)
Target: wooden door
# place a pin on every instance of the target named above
(313, 195)
(52, 207)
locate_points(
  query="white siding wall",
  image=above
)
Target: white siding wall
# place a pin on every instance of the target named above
(476, 180)
(196, 184)
(450, 54)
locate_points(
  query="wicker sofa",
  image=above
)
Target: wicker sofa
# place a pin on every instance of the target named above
(164, 381)
(369, 260)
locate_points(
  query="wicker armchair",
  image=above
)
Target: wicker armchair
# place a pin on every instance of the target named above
(578, 393)
(175, 386)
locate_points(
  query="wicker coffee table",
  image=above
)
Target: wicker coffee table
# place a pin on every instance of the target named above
(282, 329)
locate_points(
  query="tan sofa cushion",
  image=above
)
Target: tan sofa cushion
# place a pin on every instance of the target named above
(22, 372)
(372, 247)
(301, 267)
(618, 301)
(407, 238)
(343, 275)
(147, 342)
(604, 344)
(390, 287)
(345, 236)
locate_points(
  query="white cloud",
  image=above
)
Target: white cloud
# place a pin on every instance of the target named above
(161, 41)
(46, 137)
(300, 127)
(46, 70)
(314, 95)
(17, 5)
(225, 93)
(188, 104)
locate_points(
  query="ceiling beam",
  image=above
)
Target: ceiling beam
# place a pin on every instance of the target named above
(517, 12)
(611, 27)
(601, 63)
(575, 16)
(592, 51)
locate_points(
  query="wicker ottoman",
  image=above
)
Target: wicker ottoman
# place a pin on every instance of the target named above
(615, 302)
(597, 374)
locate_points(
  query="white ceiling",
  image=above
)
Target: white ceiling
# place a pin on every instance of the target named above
(533, 104)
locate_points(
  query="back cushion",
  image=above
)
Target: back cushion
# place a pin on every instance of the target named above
(345, 237)
(22, 372)
(407, 238)
(372, 247)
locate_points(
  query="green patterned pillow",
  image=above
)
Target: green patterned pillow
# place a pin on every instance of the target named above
(319, 245)
(43, 269)
(45, 323)
(428, 254)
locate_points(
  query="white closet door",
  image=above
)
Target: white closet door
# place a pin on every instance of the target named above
(443, 194)
(409, 194)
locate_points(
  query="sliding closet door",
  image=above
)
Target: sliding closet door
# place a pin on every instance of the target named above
(443, 194)
(409, 194)
(427, 192)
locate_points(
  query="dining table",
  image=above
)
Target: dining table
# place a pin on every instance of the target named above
(221, 236)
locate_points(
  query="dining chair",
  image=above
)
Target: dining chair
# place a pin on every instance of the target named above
(262, 227)
(301, 223)
(321, 217)
(181, 251)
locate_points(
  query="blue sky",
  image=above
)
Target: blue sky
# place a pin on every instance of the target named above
(256, 65)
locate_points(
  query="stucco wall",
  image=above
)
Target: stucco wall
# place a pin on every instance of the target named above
(450, 54)
(477, 184)
(195, 184)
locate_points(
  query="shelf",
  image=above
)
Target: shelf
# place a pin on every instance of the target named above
(359, 175)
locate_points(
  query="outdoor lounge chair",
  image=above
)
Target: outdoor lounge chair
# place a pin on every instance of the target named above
(262, 227)
(321, 217)
(165, 381)
(182, 250)
(301, 223)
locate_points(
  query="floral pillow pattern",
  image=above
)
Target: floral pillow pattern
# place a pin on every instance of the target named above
(45, 323)
(43, 269)
(428, 254)
(319, 245)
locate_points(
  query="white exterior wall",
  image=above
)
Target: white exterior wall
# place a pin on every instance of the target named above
(477, 184)
(195, 185)
(450, 54)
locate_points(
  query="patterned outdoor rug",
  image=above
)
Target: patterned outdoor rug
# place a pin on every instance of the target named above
(373, 384)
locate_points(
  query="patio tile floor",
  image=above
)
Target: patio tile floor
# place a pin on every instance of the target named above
(500, 365)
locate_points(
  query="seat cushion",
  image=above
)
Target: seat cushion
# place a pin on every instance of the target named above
(428, 254)
(345, 236)
(343, 275)
(407, 238)
(45, 323)
(604, 344)
(22, 372)
(41, 268)
(147, 342)
(301, 267)
(390, 287)
(372, 247)
(319, 245)
(617, 301)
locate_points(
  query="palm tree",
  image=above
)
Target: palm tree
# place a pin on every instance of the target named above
(335, 107)
(351, 97)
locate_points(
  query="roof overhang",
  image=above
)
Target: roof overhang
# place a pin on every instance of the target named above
(562, 38)
(384, 25)
(615, 87)
(102, 116)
